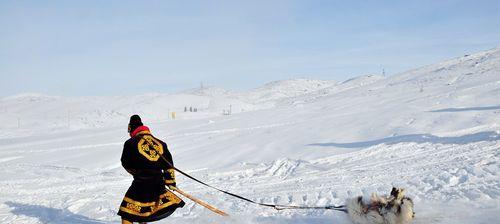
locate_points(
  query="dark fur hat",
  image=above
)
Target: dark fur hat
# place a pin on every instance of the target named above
(135, 122)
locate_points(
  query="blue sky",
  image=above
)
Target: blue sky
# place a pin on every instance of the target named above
(133, 47)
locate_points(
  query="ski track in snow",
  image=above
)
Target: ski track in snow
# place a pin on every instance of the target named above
(52, 141)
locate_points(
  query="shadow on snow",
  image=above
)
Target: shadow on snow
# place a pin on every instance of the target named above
(49, 215)
(418, 138)
(467, 109)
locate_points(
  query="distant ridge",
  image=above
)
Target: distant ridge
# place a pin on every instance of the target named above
(447, 83)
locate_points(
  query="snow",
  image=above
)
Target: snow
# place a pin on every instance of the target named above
(433, 130)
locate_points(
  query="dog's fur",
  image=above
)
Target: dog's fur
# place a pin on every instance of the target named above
(388, 209)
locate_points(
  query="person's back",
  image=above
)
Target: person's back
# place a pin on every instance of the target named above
(150, 163)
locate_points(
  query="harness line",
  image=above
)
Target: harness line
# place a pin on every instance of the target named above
(341, 208)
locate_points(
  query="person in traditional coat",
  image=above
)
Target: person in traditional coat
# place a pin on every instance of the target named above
(147, 199)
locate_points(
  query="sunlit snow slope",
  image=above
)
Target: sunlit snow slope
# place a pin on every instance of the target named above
(433, 130)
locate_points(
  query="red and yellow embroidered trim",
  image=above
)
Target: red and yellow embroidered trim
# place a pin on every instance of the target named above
(135, 212)
(134, 207)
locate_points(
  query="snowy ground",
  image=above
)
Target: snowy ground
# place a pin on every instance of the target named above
(433, 130)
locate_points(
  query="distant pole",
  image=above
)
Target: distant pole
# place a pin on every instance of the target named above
(383, 72)
(201, 85)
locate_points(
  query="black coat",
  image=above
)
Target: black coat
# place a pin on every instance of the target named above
(147, 199)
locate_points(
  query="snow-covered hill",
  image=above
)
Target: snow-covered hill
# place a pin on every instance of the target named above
(272, 93)
(32, 112)
(433, 130)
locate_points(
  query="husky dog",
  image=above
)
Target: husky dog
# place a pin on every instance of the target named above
(387, 209)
